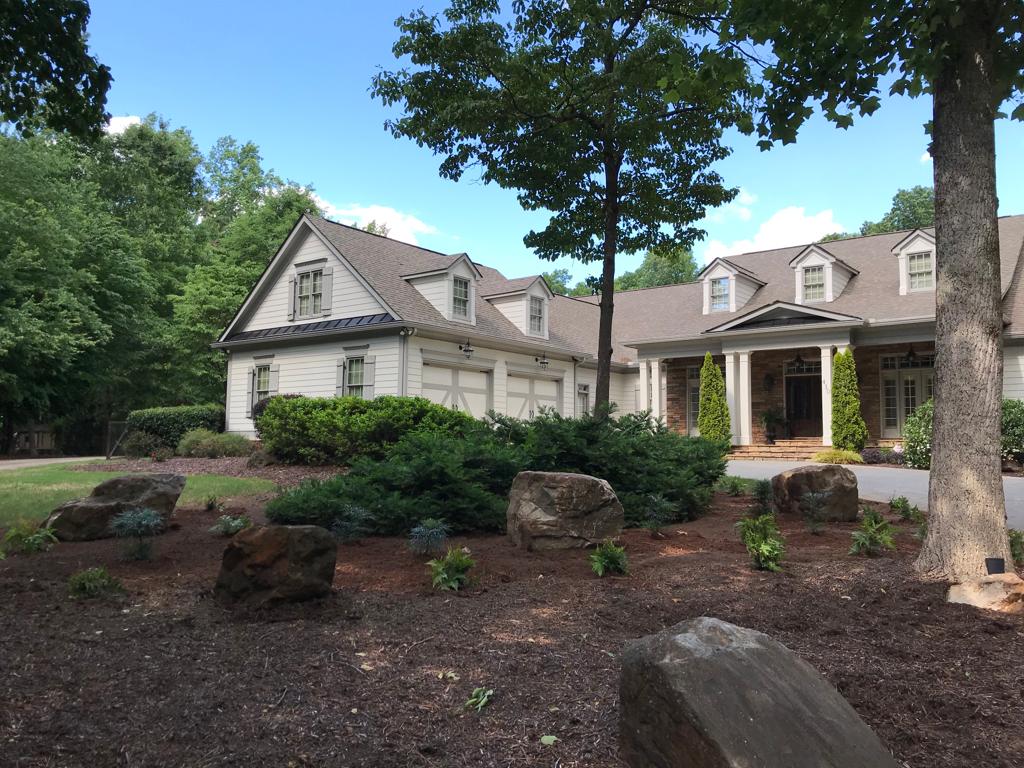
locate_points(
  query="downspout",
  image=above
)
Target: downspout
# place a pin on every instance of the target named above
(403, 360)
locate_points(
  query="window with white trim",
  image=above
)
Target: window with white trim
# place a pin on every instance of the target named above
(355, 369)
(460, 297)
(310, 292)
(261, 385)
(582, 399)
(920, 272)
(814, 283)
(536, 314)
(720, 294)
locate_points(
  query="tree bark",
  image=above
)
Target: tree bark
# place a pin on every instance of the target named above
(611, 232)
(967, 520)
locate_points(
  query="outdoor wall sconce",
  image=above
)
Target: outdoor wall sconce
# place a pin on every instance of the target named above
(769, 382)
(542, 361)
(911, 356)
(467, 349)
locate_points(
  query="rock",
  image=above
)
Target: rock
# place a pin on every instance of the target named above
(562, 510)
(838, 482)
(89, 518)
(997, 592)
(277, 563)
(707, 694)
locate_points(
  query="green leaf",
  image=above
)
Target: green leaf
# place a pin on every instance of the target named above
(547, 741)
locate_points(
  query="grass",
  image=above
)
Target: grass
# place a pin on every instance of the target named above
(31, 494)
(745, 482)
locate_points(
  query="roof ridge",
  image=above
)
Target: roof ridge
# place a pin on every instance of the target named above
(392, 239)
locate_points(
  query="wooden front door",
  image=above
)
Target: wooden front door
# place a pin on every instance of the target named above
(803, 405)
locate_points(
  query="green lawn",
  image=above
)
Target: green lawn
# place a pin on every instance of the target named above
(31, 494)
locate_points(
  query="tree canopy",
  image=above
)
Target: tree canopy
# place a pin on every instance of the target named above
(661, 267)
(912, 208)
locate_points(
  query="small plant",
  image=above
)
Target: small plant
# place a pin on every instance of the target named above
(813, 506)
(351, 524)
(213, 504)
(480, 698)
(229, 525)
(93, 582)
(763, 540)
(733, 486)
(161, 454)
(451, 571)
(139, 525)
(764, 497)
(26, 538)
(609, 558)
(917, 518)
(429, 537)
(836, 456)
(1017, 546)
(900, 505)
(875, 534)
(658, 513)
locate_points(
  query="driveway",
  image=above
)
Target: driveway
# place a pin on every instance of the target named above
(29, 463)
(882, 483)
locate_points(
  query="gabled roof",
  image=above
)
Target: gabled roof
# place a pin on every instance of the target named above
(455, 260)
(732, 267)
(521, 285)
(927, 234)
(783, 314)
(818, 249)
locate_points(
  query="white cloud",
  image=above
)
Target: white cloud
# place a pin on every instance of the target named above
(121, 123)
(401, 226)
(739, 208)
(789, 226)
(926, 158)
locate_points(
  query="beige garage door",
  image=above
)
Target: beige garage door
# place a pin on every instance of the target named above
(463, 390)
(528, 394)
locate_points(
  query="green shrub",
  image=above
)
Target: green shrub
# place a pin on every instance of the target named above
(900, 505)
(917, 437)
(875, 534)
(139, 525)
(27, 538)
(451, 571)
(733, 486)
(763, 540)
(918, 518)
(713, 410)
(351, 524)
(170, 424)
(849, 432)
(1012, 443)
(609, 558)
(229, 525)
(204, 444)
(140, 445)
(764, 497)
(337, 430)
(92, 583)
(479, 699)
(836, 456)
(161, 454)
(812, 505)
(1017, 546)
(212, 503)
(429, 537)
(660, 512)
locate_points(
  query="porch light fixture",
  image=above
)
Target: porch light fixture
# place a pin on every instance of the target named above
(542, 361)
(798, 360)
(467, 349)
(911, 355)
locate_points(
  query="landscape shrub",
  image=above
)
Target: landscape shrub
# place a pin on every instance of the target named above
(609, 558)
(229, 525)
(139, 526)
(900, 505)
(92, 583)
(351, 524)
(169, 424)
(848, 428)
(713, 408)
(161, 454)
(812, 506)
(261, 405)
(764, 497)
(761, 536)
(429, 537)
(140, 445)
(874, 535)
(1017, 546)
(660, 512)
(337, 430)
(26, 538)
(451, 571)
(202, 443)
(917, 436)
(837, 456)
(733, 486)
(1012, 441)
(881, 456)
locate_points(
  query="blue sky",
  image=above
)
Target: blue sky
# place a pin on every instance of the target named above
(294, 79)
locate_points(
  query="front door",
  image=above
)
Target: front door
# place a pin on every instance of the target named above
(803, 405)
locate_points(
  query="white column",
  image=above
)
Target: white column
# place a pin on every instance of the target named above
(731, 394)
(645, 385)
(656, 410)
(745, 401)
(826, 395)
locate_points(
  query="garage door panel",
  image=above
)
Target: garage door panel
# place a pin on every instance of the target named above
(463, 390)
(526, 395)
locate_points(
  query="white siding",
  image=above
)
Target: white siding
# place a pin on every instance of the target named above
(435, 290)
(1013, 372)
(744, 289)
(307, 369)
(840, 277)
(514, 309)
(349, 297)
(624, 391)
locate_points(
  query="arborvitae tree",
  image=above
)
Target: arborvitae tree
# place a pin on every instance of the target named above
(848, 428)
(713, 417)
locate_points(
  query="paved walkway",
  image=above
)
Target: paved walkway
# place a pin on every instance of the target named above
(29, 463)
(882, 483)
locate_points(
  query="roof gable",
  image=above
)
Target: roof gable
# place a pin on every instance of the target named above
(783, 314)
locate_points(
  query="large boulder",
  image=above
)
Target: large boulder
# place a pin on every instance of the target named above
(707, 694)
(839, 483)
(89, 518)
(562, 510)
(996, 592)
(277, 563)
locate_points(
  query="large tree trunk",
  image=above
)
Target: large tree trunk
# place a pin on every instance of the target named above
(611, 233)
(967, 520)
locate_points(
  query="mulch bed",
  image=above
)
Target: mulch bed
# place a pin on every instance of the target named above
(377, 675)
(284, 475)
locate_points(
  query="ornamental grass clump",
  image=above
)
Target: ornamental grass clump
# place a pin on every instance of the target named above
(761, 536)
(138, 527)
(609, 558)
(837, 456)
(429, 537)
(875, 534)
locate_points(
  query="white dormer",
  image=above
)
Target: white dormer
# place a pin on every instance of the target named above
(819, 276)
(526, 306)
(727, 287)
(915, 254)
(452, 290)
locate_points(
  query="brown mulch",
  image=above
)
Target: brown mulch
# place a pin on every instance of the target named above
(377, 675)
(284, 475)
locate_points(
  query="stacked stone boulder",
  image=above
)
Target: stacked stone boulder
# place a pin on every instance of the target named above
(562, 510)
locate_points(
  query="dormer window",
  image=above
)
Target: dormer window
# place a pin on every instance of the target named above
(814, 283)
(536, 315)
(720, 294)
(310, 293)
(460, 298)
(920, 271)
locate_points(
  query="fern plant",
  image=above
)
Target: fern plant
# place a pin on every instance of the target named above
(763, 540)
(229, 525)
(609, 558)
(813, 506)
(138, 526)
(93, 582)
(26, 538)
(451, 571)
(875, 534)
(900, 505)
(429, 537)
(764, 497)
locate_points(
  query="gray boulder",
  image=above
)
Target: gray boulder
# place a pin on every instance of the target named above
(839, 483)
(707, 694)
(277, 563)
(562, 510)
(89, 518)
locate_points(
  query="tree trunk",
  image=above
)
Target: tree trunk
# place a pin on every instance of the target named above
(967, 520)
(611, 233)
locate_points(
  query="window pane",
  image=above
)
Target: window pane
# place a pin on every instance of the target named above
(304, 284)
(536, 315)
(909, 396)
(890, 403)
(262, 382)
(460, 297)
(583, 399)
(814, 283)
(355, 371)
(304, 305)
(919, 267)
(720, 293)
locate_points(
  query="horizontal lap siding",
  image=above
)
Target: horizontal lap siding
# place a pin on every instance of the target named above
(1013, 372)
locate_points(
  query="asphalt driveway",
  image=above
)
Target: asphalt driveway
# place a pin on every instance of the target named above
(11, 464)
(882, 483)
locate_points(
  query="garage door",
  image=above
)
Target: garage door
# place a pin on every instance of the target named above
(528, 394)
(463, 390)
